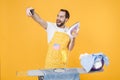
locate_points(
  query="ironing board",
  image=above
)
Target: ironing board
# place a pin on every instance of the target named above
(40, 73)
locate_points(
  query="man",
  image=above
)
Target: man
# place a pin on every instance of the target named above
(59, 41)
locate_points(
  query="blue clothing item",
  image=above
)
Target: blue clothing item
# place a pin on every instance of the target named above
(68, 74)
(88, 61)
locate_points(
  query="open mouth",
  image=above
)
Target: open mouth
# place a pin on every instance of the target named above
(58, 21)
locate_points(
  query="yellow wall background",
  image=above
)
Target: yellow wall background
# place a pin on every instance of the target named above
(24, 44)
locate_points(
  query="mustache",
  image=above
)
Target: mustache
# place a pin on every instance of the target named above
(58, 21)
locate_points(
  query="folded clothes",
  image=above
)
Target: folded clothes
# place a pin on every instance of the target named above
(67, 74)
(93, 62)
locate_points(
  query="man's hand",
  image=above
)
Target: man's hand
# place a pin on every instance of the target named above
(29, 11)
(74, 33)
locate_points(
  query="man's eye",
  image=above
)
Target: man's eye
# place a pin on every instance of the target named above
(61, 16)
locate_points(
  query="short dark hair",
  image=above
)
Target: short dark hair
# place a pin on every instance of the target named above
(67, 15)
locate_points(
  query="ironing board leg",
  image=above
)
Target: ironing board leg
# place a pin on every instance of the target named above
(40, 77)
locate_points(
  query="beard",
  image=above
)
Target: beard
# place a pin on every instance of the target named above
(59, 23)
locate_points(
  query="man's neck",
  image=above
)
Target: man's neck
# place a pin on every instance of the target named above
(62, 26)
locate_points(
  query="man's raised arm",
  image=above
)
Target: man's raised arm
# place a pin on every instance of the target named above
(30, 12)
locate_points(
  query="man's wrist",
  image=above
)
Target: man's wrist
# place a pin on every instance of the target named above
(73, 38)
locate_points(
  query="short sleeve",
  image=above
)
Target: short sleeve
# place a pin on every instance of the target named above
(50, 30)
(49, 25)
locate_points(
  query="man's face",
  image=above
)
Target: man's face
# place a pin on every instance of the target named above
(61, 19)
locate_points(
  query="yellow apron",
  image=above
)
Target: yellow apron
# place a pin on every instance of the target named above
(57, 51)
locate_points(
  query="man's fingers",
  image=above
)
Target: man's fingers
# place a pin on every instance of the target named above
(28, 12)
(75, 33)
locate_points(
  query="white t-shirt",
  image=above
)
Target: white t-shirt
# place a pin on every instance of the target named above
(52, 28)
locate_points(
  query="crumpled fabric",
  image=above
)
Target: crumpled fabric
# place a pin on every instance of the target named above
(88, 60)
